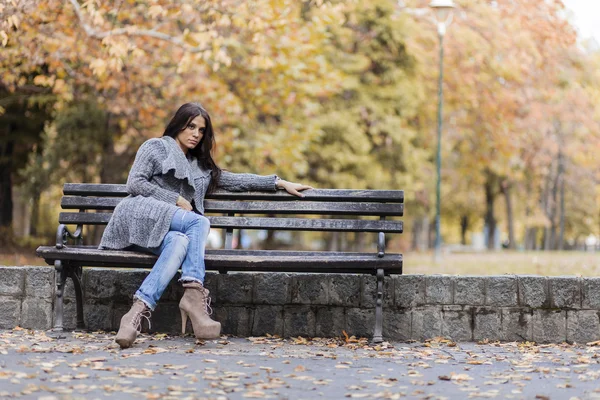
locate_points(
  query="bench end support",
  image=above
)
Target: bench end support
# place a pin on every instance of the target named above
(61, 278)
(378, 332)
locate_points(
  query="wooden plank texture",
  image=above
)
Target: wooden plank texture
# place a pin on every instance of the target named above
(290, 224)
(345, 195)
(234, 260)
(255, 207)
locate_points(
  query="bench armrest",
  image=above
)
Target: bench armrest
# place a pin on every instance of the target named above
(63, 234)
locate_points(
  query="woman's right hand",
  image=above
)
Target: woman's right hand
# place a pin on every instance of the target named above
(183, 203)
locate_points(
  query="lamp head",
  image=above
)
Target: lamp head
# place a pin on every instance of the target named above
(443, 9)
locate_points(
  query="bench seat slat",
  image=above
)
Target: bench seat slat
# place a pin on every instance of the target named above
(289, 224)
(343, 195)
(234, 260)
(255, 207)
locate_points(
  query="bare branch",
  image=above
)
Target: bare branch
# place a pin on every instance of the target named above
(133, 31)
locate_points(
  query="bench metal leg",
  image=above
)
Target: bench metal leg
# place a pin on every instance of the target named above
(61, 278)
(75, 274)
(378, 333)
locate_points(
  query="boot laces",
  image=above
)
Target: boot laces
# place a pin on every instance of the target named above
(207, 306)
(137, 319)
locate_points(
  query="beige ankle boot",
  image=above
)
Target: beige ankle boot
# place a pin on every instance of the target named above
(195, 303)
(131, 324)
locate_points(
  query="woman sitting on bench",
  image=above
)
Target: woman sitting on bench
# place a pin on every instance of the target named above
(163, 215)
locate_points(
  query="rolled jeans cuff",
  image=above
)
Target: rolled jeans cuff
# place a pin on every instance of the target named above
(144, 299)
(184, 279)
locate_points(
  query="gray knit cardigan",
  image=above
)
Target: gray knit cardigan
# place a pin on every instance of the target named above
(160, 174)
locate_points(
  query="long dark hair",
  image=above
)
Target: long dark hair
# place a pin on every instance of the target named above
(182, 118)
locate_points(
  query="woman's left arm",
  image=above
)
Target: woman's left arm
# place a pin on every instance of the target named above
(249, 182)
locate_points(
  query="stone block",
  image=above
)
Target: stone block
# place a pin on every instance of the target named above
(409, 290)
(583, 326)
(565, 292)
(36, 313)
(457, 323)
(426, 322)
(69, 291)
(70, 314)
(174, 290)
(235, 288)
(236, 321)
(128, 283)
(330, 321)
(549, 326)
(211, 282)
(344, 290)
(310, 289)
(10, 312)
(469, 290)
(501, 291)
(534, 291)
(369, 292)
(360, 322)
(166, 318)
(268, 319)
(397, 325)
(298, 321)
(517, 324)
(272, 288)
(590, 288)
(39, 282)
(439, 289)
(99, 283)
(487, 323)
(12, 281)
(97, 316)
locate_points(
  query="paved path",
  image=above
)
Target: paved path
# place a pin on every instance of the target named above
(91, 366)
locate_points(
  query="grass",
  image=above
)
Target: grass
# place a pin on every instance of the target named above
(550, 263)
(488, 263)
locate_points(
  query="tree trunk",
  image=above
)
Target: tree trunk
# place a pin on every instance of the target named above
(415, 234)
(270, 240)
(464, 227)
(561, 236)
(505, 187)
(35, 213)
(333, 242)
(6, 204)
(490, 221)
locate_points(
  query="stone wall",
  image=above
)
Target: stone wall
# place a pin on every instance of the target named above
(417, 307)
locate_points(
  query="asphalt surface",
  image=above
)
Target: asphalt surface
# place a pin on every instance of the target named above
(34, 365)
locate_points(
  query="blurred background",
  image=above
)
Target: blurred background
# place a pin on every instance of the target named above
(336, 94)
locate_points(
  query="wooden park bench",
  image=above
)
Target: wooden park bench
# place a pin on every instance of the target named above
(91, 204)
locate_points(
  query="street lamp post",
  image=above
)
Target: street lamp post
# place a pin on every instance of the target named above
(443, 12)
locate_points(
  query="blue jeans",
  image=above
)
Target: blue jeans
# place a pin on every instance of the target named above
(183, 246)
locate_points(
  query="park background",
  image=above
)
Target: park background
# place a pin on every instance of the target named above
(336, 94)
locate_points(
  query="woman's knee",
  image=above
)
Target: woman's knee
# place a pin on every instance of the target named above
(200, 222)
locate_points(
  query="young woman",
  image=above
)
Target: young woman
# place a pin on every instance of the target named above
(163, 214)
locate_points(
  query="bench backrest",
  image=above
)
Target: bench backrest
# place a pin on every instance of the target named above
(350, 204)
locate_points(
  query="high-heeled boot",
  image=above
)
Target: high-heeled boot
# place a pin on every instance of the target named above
(195, 304)
(131, 324)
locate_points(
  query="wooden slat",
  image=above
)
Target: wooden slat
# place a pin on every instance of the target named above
(255, 207)
(291, 224)
(306, 224)
(89, 203)
(235, 260)
(94, 189)
(345, 195)
(84, 218)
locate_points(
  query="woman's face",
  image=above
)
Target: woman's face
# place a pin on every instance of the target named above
(191, 135)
